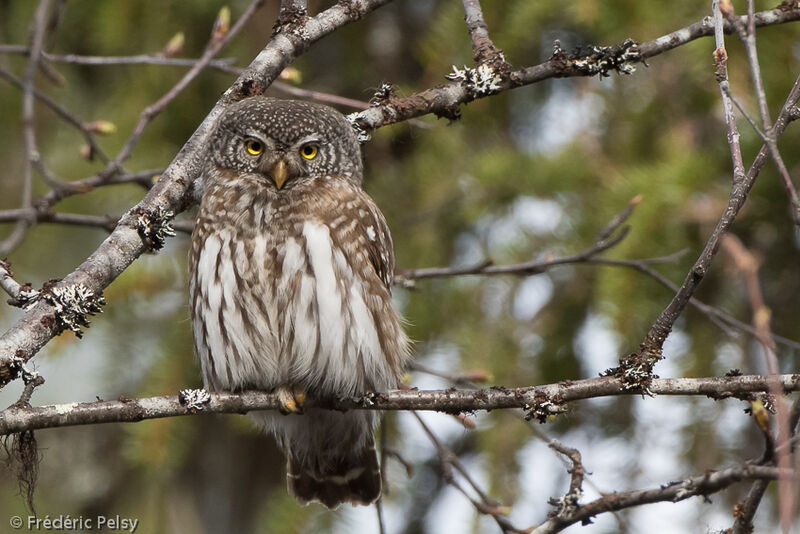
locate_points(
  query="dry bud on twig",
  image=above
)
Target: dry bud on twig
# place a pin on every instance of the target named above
(222, 24)
(174, 45)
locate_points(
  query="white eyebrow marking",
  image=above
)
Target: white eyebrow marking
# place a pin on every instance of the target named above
(313, 138)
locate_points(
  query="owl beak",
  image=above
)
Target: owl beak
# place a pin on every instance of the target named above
(279, 173)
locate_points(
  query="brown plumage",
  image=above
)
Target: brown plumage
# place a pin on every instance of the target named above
(291, 271)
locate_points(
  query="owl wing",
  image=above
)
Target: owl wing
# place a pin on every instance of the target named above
(380, 249)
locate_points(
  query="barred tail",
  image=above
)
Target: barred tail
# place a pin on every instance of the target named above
(356, 479)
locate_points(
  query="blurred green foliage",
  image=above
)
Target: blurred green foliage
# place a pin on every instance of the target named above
(453, 194)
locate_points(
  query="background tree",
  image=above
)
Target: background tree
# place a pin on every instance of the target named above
(527, 178)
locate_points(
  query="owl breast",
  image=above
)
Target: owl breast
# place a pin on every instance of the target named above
(286, 303)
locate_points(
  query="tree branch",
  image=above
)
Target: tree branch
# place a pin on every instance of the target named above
(654, 340)
(705, 484)
(444, 100)
(537, 401)
(63, 112)
(449, 461)
(747, 34)
(28, 133)
(483, 49)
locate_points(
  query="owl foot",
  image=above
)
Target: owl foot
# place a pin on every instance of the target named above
(291, 399)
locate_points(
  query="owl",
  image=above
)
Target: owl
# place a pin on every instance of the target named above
(291, 268)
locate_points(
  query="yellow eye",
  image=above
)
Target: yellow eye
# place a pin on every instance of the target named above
(254, 146)
(309, 151)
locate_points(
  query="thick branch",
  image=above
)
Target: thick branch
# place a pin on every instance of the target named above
(444, 100)
(536, 400)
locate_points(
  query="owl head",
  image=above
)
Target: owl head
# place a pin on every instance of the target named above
(283, 144)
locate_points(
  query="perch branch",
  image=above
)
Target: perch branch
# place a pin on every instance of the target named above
(535, 400)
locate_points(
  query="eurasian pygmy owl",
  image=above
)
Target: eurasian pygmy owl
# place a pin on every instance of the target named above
(291, 272)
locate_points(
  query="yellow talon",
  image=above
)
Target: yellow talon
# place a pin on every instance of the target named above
(291, 399)
(299, 396)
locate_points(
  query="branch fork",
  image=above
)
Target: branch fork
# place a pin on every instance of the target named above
(636, 370)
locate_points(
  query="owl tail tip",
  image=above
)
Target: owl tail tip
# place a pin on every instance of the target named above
(355, 482)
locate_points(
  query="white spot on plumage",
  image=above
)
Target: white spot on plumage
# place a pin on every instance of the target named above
(371, 233)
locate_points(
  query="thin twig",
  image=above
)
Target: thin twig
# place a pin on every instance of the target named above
(705, 484)
(64, 113)
(747, 264)
(742, 183)
(747, 34)
(483, 49)
(18, 292)
(570, 502)
(28, 133)
(106, 222)
(464, 378)
(31, 383)
(143, 178)
(142, 59)
(717, 316)
(744, 113)
(212, 49)
(607, 238)
(450, 460)
(745, 510)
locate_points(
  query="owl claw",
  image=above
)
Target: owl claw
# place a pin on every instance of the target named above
(299, 396)
(291, 399)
